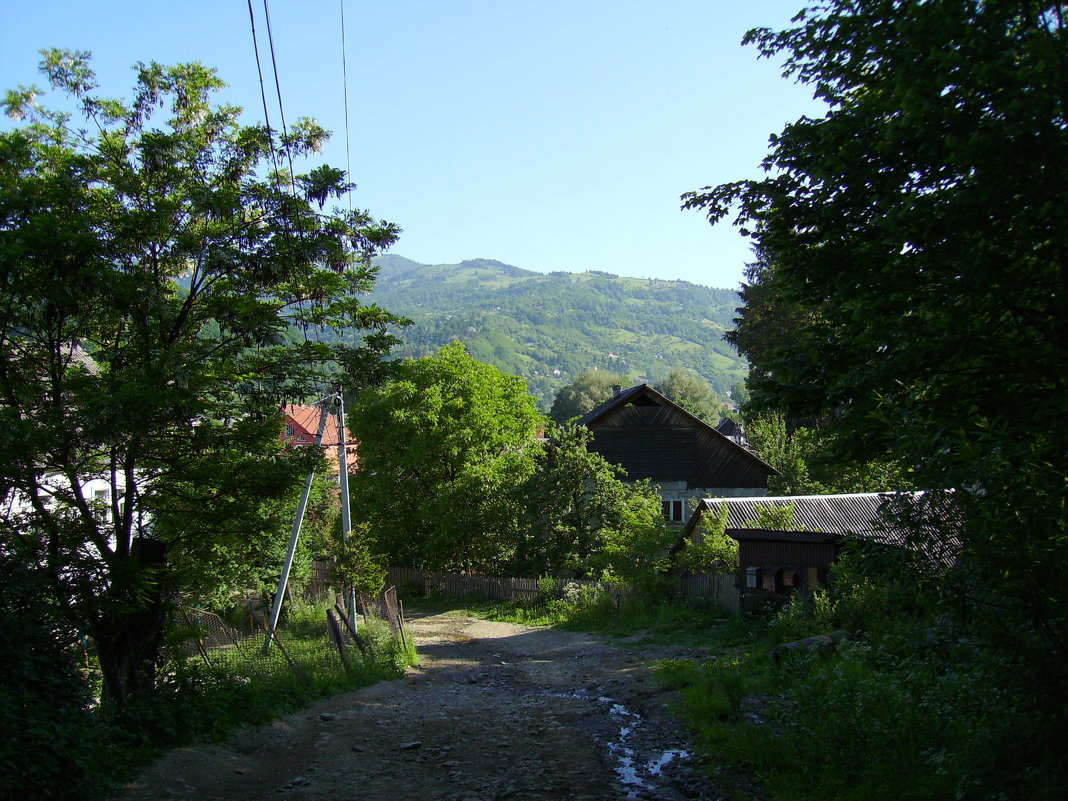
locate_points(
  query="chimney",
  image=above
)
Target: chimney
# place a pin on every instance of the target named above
(616, 389)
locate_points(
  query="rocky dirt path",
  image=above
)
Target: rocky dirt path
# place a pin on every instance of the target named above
(495, 711)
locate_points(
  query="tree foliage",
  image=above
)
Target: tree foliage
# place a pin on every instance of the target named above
(710, 550)
(441, 447)
(693, 395)
(583, 519)
(358, 563)
(912, 284)
(589, 389)
(152, 266)
(454, 477)
(810, 462)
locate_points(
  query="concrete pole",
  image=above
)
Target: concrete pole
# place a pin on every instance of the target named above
(276, 608)
(346, 512)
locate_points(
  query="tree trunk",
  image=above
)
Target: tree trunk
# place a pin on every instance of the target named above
(129, 632)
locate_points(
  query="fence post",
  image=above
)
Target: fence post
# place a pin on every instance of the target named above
(335, 630)
(352, 629)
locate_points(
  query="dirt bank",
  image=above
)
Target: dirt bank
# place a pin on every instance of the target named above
(495, 711)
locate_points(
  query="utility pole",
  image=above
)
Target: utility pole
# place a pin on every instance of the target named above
(346, 514)
(276, 608)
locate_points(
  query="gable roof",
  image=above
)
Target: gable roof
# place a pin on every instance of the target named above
(643, 392)
(729, 427)
(622, 398)
(306, 420)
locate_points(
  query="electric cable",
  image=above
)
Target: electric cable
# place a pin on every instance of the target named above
(263, 90)
(278, 92)
(345, 84)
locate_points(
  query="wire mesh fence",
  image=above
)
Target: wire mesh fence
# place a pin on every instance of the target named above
(205, 635)
(306, 642)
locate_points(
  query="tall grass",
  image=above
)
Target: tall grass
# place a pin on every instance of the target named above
(604, 610)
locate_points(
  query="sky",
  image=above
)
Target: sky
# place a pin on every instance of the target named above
(555, 135)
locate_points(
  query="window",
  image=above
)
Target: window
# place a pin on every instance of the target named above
(289, 431)
(813, 576)
(752, 578)
(672, 510)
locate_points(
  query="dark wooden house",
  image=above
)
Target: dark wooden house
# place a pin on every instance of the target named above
(652, 437)
(772, 565)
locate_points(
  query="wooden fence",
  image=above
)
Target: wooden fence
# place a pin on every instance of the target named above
(716, 590)
(719, 590)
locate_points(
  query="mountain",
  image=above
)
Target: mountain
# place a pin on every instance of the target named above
(549, 327)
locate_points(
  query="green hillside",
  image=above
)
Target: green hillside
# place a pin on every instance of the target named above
(548, 328)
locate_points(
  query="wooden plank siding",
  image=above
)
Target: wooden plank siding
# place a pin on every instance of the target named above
(652, 437)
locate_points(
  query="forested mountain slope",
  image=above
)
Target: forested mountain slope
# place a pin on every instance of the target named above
(548, 328)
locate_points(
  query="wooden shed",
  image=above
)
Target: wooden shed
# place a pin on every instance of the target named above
(772, 565)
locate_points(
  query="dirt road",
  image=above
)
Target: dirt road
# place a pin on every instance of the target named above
(495, 711)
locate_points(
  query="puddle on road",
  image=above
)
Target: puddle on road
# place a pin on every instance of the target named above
(634, 776)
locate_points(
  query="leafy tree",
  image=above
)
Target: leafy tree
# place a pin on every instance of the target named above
(441, 448)
(589, 389)
(357, 563)
(915, 240)
(577, 508)
(786, 452)
(634, 543)
(692, 394)
(148, 238)
(810, 463)
(47, 736)
(774, 517)
(710, 550)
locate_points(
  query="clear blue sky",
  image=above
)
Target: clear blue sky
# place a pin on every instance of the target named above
(555, 135)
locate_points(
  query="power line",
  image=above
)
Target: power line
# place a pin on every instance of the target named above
(345, 83)
(278, 91)
(263, 90)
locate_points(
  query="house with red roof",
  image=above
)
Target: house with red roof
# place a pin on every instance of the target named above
(301, 424)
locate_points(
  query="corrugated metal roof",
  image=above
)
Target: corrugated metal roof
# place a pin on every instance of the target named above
(858, 514)
(78, 354)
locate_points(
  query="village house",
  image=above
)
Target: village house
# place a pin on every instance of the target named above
(652, 437)
(301, 425)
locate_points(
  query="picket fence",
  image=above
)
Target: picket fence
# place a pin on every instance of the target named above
(712, 590)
